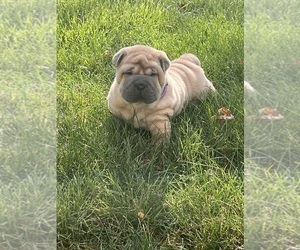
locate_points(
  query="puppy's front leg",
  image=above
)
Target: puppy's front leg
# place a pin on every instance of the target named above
(160, 130)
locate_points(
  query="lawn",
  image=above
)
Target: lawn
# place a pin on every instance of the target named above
(272, 195)
(114, 189)
(28, 125)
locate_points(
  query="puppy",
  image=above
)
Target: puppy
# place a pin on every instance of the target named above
(149, 89)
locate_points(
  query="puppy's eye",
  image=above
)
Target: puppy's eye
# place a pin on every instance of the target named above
(128, 72)
(153, 74)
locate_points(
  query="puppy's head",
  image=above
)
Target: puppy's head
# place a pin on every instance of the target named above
(141, 73)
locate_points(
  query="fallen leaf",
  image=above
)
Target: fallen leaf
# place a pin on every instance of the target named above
(224, 114)
(267, 113)
(141, 215)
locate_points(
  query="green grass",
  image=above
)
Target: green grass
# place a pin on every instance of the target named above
(115, 191)
(272, 147)
(27, 130)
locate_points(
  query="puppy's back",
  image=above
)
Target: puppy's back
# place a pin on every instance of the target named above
(188, 68)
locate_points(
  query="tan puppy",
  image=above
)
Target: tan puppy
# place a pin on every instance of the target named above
(149, 90)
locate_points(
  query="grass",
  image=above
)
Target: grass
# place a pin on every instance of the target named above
(271, 147)
(27, 130)
(115, 191)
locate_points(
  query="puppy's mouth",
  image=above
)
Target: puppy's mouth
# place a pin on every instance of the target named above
(140, 88)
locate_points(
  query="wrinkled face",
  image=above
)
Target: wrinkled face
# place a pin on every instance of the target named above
(141, 73)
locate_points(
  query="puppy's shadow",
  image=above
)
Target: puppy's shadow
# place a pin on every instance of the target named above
(135, 145)
(122, 134)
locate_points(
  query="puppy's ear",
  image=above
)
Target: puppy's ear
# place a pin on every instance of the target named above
(164, 63)
(118, 57)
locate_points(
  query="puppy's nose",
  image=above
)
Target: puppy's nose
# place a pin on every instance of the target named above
(140, 86)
